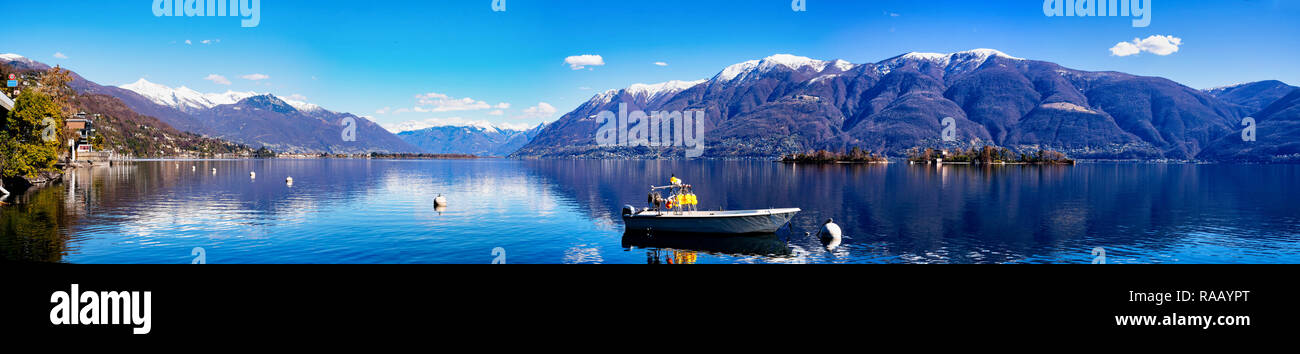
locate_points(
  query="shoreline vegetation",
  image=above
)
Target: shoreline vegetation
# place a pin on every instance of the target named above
(379, 155)
(854, 155)
(987, 155)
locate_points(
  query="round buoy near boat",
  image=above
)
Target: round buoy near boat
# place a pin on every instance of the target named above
(252, 175)
(831, 235)
(440, 201)
(214, 170)
(831, 230)
(288, 181)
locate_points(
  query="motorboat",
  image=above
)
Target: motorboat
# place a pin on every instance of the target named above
(678, 214)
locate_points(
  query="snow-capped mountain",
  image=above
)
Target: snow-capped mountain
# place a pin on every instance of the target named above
(472, 138)
(950, 63)
(786, 103)
(650, 92)
(453, 122)
(12, 58)
(778, 62)
(187, 100)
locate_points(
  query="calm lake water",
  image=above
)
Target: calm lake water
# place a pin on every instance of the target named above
(378, 211)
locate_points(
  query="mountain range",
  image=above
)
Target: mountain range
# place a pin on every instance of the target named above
(477, 138)
(785, 103)
(248, 118)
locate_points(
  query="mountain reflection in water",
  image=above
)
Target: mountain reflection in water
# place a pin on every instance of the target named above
(568, 211)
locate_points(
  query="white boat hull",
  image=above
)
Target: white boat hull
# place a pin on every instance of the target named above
(710, 222)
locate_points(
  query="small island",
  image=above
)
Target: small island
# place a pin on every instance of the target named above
(987, 155)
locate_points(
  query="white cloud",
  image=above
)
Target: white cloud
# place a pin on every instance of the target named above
(541, 110)
(255, 77)
(660, 63)
(497, 113)
(59, 55)
(383, 110)
(297, 97)
(206, 41)
(437, 102)
(579, 62)
(502, 105)
(188, 42)
(1157, 44)
(217, 79)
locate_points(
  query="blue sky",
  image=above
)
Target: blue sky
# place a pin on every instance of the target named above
(365, 56)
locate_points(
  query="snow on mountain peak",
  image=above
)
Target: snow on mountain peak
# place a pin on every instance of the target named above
(230, 97)
(300, 105)
(952, 62)
(181, 98)
(652, 91)
(8, 57)
(792, 62)
(479, 125)
(185, 99)
(843, 65)
(733, 71)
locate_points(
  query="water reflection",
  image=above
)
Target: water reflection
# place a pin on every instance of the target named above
(769, 245)
(375, 211)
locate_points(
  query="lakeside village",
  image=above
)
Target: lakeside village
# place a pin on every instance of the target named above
(39, 139)
(986, 155)
(45, 131)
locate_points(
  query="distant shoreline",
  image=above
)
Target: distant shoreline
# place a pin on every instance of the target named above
(889, 161)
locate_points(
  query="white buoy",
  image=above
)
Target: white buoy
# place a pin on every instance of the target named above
(288, 181)
(830, 235)
(440, 201)
(252, 175)
(194, 168)
(214, 170)
(831, 230)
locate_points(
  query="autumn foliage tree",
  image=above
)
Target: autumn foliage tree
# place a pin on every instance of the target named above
(29, 144)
